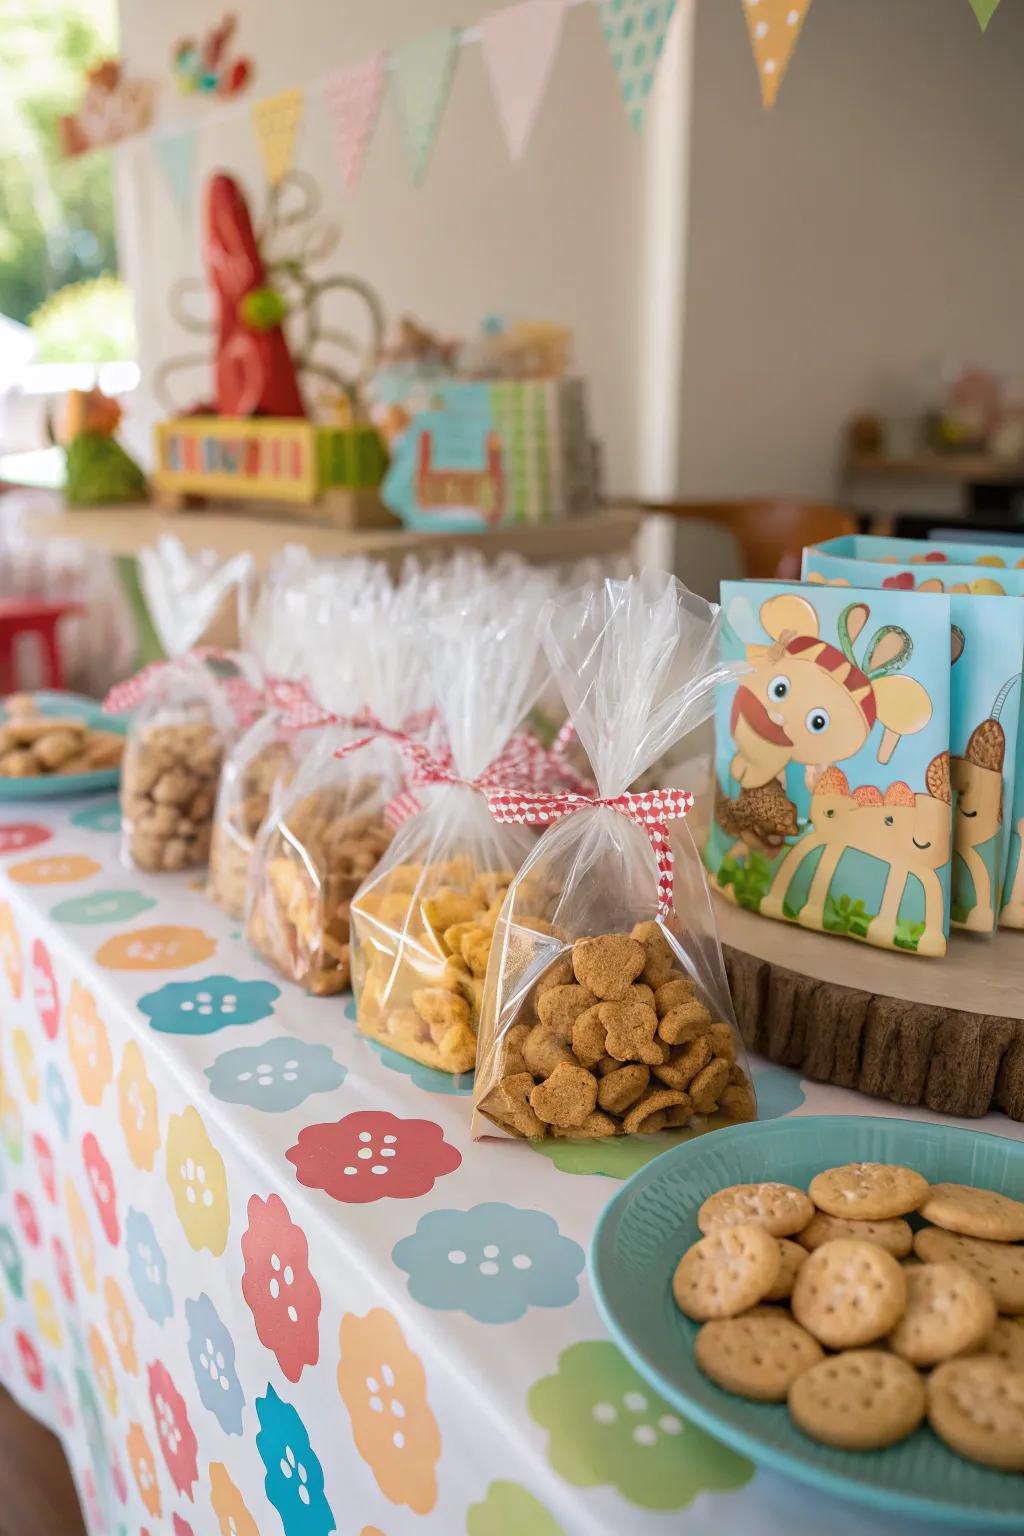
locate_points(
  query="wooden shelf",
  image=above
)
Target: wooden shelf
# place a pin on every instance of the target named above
(963, 468)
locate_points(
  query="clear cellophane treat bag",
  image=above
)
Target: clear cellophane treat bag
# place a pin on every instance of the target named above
(422, 924)
(186, 711)
(329, 821)
(606, 1009)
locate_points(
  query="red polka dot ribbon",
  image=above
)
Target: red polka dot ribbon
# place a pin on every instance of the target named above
(652, 810)
(245, 701)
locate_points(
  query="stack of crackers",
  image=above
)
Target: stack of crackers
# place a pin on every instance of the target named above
(830, 1301)
(32, 744)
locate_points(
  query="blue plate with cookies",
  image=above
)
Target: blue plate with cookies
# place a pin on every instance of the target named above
(55, 744)
(891, 1305)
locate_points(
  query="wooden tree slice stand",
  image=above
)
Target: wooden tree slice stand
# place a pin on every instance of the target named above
(948, 1034)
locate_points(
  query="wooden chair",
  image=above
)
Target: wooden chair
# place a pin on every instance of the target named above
(769, 533)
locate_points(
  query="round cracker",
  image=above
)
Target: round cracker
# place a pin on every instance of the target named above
(977, 1406)
(758, 1356)
(894, 1235)
(999, 1265)
(868, 1191)
(861, 1400)
(949, 1312)
(791, 1256)
(849, 1293)
(781, 1209)
(975, 1212)
(1007, 1341)
(726, 1272)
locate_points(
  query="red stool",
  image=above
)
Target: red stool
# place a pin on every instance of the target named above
(32, 616)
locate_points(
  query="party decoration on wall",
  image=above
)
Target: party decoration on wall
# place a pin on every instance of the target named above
(205, 64)
(353, 97)
(112, 108)
(519, 45)
(276, 120)
(423, 71)
(635, 33)
(774, 27)
(984, 10)
(175, 154)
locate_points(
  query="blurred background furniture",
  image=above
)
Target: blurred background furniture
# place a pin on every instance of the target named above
(32, 618)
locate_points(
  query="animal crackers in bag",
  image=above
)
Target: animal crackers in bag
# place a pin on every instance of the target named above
(606, 1009)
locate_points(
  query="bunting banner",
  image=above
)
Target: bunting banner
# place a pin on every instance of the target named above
(519, 44)
(276, 120)
(175, 154)
(635, 33)
(422, 72)
(774, 27)
(353, 97)
(984, 10)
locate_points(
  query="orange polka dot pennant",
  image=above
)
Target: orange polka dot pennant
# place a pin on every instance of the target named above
(774, 26)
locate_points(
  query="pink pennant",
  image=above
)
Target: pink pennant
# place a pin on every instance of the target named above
(353, 96)
(519, 44)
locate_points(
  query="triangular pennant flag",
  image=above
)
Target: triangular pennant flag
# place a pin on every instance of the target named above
(353, 98)
(635, 33)
(774, 27)
(176, 156)
(276, 120)
(984, 10)
(423, 72)
(519, 45)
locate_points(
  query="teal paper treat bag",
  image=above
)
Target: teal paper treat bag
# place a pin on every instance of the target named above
(832, 763)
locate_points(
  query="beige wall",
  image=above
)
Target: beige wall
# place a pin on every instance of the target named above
(874, 220)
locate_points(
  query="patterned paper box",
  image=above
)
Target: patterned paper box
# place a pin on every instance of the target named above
(833, 803)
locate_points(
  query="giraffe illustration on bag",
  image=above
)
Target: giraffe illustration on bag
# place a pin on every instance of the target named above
(908, 832)
(978, 781)
(807, 701)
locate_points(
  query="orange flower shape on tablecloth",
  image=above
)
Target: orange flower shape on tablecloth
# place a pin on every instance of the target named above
(137, 1108)
(53, 869)
(10, 949)
(24, 1056)
(88, 1045)
(228, 1505)
(47, 1321)
(103, 1369)
(195, 1172)
(164, 947)
(144, 1469)
(122, 1328)
(383, 1386)
(82, 1243)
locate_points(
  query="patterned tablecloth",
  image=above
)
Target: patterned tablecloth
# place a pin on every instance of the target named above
(257, 1276)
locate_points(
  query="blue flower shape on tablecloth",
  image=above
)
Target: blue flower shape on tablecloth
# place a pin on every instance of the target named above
(58, 1098)
(202, 1007)
(427, 1078)
(276, 1075)
(147, 1266)
(102, 817)
(102, 907)
(493, 1261)
(778, 1090)
(211, 1350)
(295, 1479)
(10, 1262)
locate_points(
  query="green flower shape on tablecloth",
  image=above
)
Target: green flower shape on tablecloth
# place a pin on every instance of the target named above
(104, 817)
(427, 1078)
(10, 1262)
(618, 1157)
(507, 1509)
(204, 1006)
(102, 907)
(606, 1425)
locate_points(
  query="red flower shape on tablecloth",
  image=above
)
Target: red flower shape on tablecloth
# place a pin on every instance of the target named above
(44, 989)
(45, 1165)
(62, 1264)
(182, 1527)
(279, 1290)
(101, 1182)
(173, 1429)
(117, 1476)
(31, 1364)
(27, 1220)
(17, 835)
(90, 1503)
(373, 1155)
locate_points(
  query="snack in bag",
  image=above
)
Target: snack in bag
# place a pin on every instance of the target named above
(422, 924)
(606, 1008)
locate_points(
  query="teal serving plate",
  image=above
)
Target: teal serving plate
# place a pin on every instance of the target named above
(57, 786)
(646, 1227)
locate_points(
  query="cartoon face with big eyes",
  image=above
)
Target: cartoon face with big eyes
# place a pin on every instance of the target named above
(809, 702)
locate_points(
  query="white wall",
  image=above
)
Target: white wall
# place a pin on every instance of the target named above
(561, 236)
(873, 220)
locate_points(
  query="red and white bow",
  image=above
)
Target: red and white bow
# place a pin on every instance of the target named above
(245, 701)
(653, 810)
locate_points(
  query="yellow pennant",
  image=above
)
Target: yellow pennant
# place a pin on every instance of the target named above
(276, 120)
(774, 27)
